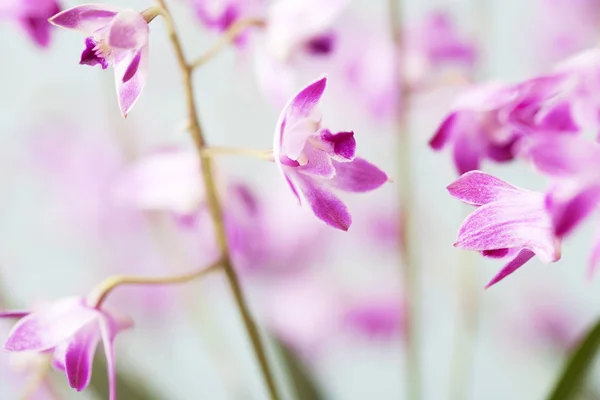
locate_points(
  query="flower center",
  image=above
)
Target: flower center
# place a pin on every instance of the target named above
(95, 53)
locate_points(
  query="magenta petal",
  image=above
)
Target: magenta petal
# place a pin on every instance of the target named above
(324, 204)
(559, 118)
(14, 314)
(510, 224)
(80, 354)
(343, 143)
(521, 258)
(306, 100)
(467, 153)
(358, 175)
(46, 328)
(497, 253)
(133, 67)
(86, 18)
(478, 188)
(443, 133)
(569, 214)
(562, 155)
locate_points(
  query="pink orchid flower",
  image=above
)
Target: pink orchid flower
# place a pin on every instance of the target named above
(71, 330)
(219, 15)
(115, 36)
(168, 178)
(571, 162)
(477, 128)
(509, 222)
(32, 16)
(314, 161)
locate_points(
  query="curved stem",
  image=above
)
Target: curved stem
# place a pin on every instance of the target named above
(408, 244)
(105, 288)
(215, 208)
(266, 155)
(232, 33)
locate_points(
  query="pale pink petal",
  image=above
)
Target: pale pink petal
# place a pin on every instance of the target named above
(108, 332)
(522, 257)
(46, 328)
(318, 163)
(562, 155)
(510, 224)
(130, 78)
(86, 18)
(478, 188)
(128, 31)
(166, 179)
(324, 204)
(80, 354)
(358, 175)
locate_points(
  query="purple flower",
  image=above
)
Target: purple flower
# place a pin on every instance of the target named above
(117, 37)
(509, 222)
(567, 26)
(314, 160)
(572, 163)
(32, 16)
(381, 316)
(477, 127)
(71, 330)
(219, 15)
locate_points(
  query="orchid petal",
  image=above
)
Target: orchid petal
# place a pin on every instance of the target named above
(358, 175)
(478, 188)
(86, 18)
(343, 144)
(46, 328)
(318, 163)
(444, 132)
(128, 30)
(80, 354)
(130, 78)
(467, 153)
(562, 155)
(166, 179)
(522, 257)
(108, 333)
(510, 224)
(567, 215)
(324, 204)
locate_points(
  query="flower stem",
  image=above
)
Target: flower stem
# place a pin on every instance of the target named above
(408, 243)
(105, 288)
(266, 155)
(232, 33)
(215, 208)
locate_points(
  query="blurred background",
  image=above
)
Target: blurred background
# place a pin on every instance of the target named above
(332, 300)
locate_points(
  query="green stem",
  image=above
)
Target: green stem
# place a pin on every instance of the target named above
(408, 223)
(215, 207)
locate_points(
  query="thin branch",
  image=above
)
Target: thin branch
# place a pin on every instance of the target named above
(228, 37)
(215, 207)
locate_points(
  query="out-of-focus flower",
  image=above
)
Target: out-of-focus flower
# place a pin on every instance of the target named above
(509, 222)
(376, 317)
(572, 163)
(477, 128)
(219, 15)
(115, 36)
(168, 179)
(32, 16)
(314, 161)
(566, 26)
(295, 30)
(71, 330)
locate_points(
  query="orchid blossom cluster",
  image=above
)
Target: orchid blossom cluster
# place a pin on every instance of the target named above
(313, 160)
(542, 121)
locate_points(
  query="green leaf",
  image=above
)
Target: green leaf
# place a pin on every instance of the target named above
(305, 387)
(129, 387)
(572, 378)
